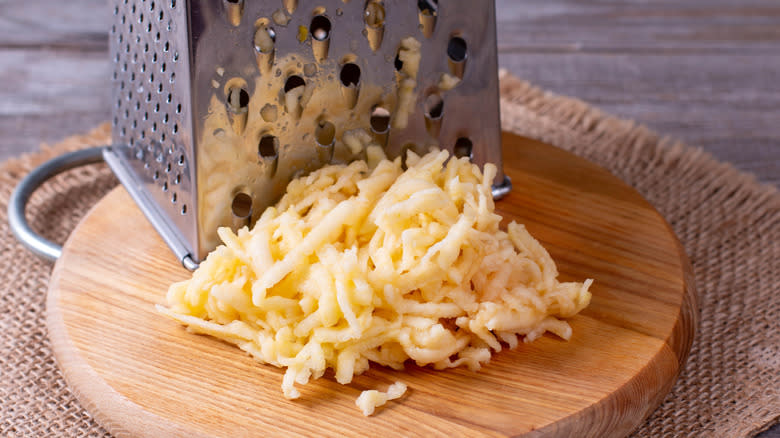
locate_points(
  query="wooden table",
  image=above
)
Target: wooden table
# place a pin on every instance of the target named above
(704, 71)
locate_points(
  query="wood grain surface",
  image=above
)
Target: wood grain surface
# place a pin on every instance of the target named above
(141, 374)
(703, 71)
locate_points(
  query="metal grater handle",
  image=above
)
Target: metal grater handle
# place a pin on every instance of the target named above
(36, 243)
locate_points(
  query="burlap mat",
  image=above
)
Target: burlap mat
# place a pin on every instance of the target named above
(729, 224)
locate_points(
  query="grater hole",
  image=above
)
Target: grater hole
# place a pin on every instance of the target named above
(374, 14)
(434, 107)
(181, 160)
(156, 175)
(380, 120)
(175, 128)
(427, 15)
(237, 99)
(264, 38)
(165, 186)
(241, 205)
(325, 133)
(268, 147)
(293, 82)
(463, 148)
(234, 9)
(184, 209)
(174, 198)
(177, 180)
(293, 100)
(350, 74)
(320, 28)
(290, 5)
(457, 49)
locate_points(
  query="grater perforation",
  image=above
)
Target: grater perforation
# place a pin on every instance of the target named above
(218, 102)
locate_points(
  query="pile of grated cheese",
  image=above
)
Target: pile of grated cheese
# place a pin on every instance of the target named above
(366, 263)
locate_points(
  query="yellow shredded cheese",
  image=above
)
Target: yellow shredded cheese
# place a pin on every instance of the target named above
(369, 400)
(359, 264)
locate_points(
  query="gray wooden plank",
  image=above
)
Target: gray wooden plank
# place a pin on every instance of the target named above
(661, 26)
(750, 80)
(728, 105)
(77, 24)
(49, 94)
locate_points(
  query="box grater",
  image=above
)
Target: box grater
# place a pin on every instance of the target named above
(218, 104)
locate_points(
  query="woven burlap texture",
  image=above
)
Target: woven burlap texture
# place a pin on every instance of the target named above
(728, 223)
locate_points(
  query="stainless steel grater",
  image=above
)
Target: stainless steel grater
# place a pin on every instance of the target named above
(218, 104)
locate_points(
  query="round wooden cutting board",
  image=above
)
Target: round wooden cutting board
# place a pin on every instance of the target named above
(141, 374)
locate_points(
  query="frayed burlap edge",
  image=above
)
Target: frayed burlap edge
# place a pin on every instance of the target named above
(728, 223)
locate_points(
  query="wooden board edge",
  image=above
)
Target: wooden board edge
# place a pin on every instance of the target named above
(94, 394)
(671, 357)
(632, 403)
